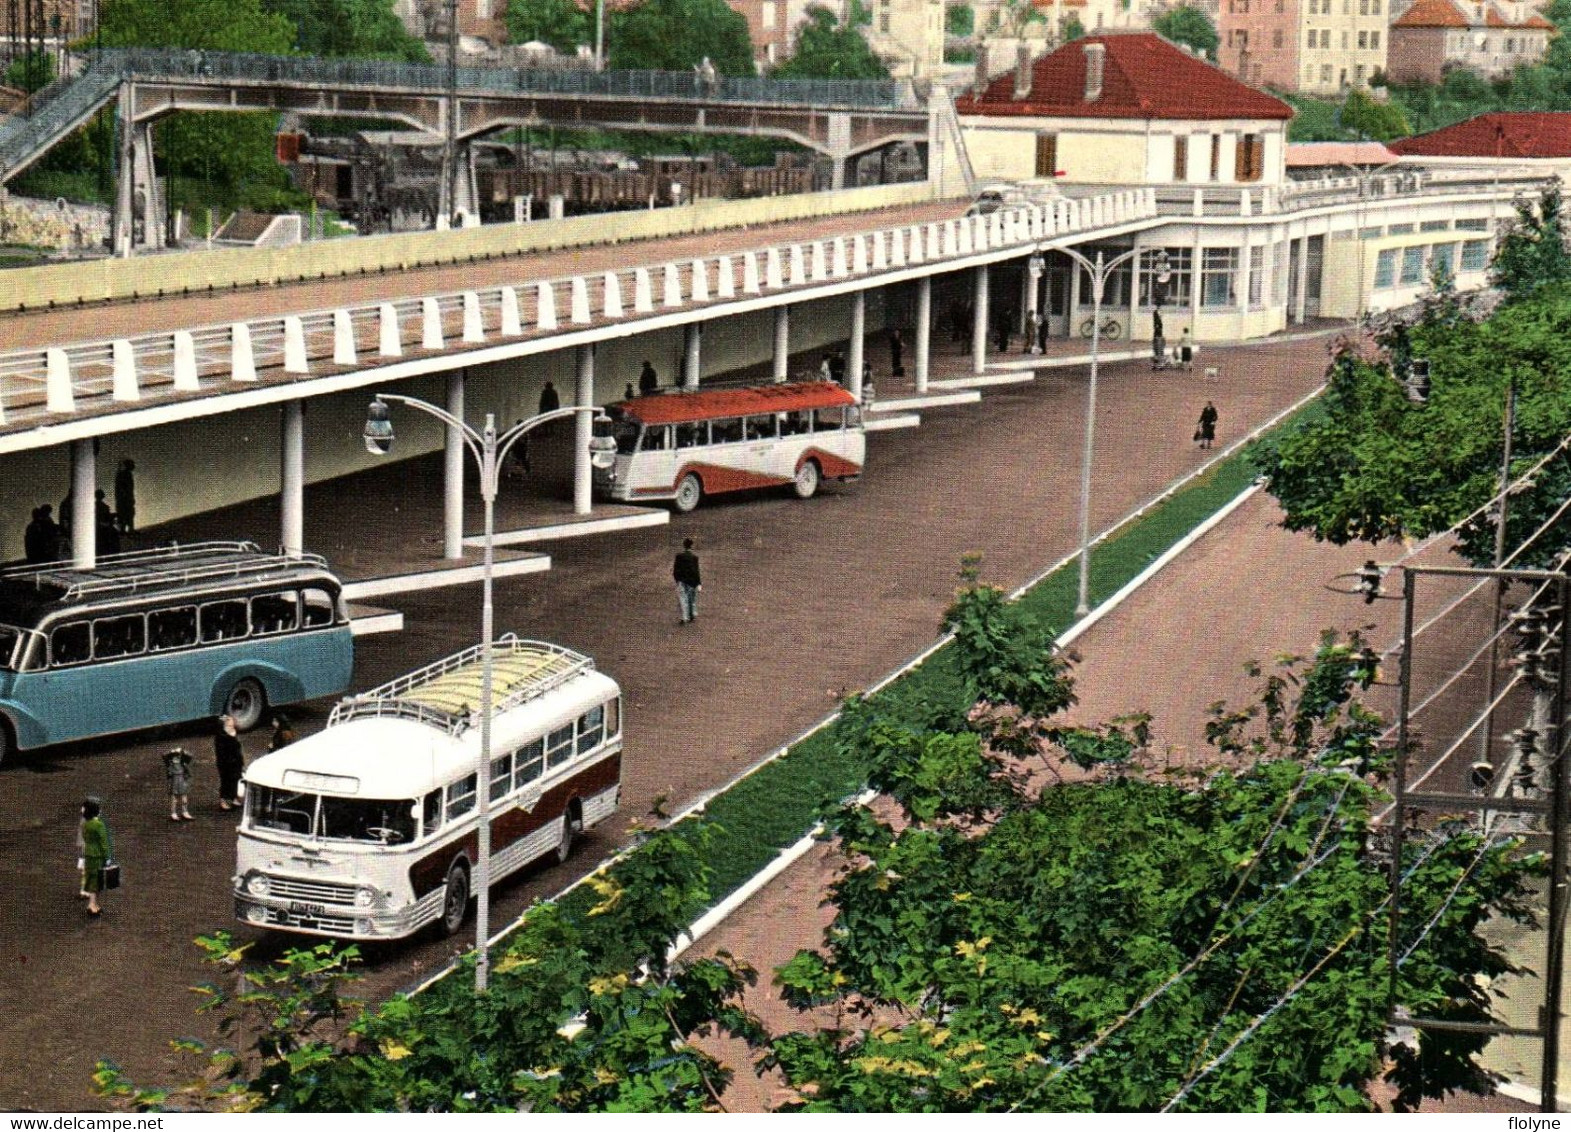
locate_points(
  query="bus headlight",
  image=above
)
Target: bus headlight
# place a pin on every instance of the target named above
(258, 885)
(365, 897)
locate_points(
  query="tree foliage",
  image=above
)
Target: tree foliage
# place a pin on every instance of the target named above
(1072, 28)
(1185, 24)
(1123, 942)
(362, 29)
(1531, 252)
(959, 19)
(675, 35)
(1373, 465)
(1368, 118)
(561, 23)
(828, 49)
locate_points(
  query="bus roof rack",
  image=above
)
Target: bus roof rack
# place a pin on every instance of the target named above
(174, 564)
(446, 694)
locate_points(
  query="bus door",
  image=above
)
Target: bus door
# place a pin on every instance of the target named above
(656, 457)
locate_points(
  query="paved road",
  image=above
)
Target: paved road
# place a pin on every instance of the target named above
(801, 602)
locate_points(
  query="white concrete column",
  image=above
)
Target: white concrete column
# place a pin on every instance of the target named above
(583, 483)
(924, 330)
(692, 353)
(291, 478)
(854, 352)
(980, 323)
(84, 509)
(782, 342)
(453, 472)
(1301, 299)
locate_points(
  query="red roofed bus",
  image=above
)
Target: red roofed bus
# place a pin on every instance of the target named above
(683, 446)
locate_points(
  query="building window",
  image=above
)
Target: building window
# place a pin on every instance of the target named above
(1325, 72)
(1279, 5)
(1363, 41)
(1374, 40)
(1435, 226)
(767, 14)
(1181, 272)
(1218, 275)
(1257, 275)
(1358, 74)
(1442, 260)
(1475, 255)
(1399, 229)
(883, 22)
(1473, 224)
(1216, 156)
(1279, 260)
(1385, 268)
(1363, 7)
(1413, 264)
(1374, 8)
(1276, 38)
(1249, 158)
(1046, 155)
(1371, 233)
(1344, 40)
(1180, 159)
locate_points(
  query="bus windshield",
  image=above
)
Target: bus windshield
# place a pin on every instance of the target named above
(383, 821)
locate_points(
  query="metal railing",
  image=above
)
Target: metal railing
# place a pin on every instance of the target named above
(147, 64)
(216, 560)
(56, 110)
(389, 700)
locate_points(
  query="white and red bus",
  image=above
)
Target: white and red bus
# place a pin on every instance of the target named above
(369, 829)
(683, 446)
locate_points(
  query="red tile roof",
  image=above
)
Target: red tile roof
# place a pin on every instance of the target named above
(673, 408)
(1144, 76)
(1432, 14)
(1313, 155)
(1449, 14)
(1527, 134)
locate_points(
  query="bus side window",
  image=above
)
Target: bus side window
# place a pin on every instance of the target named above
(224, 620)
(694, 435)
(559, 746)
(726, 431)
(431, 817)
(119, 636)
(760, 428)
(501, 776)
(318, 607)
(70, 644)
(530, 762)
(274, 613)
(657, 438)
(591, 729)
(461, 797)
(613, 718)
(171, 628)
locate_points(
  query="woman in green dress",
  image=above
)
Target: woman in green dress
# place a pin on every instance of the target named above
(95, 853)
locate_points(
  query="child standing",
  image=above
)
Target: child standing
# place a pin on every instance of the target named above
(177, 768)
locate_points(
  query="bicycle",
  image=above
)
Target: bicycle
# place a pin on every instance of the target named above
(1111, 328)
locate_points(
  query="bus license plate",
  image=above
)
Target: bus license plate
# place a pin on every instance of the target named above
(298, 909)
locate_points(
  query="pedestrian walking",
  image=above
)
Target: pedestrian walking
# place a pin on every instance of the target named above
(230, 759)
(97, 852)
(1186, 349)
(648, 379)
(549, 401)
(1158, 342)
(125, 496)
(177, 769)
(283, 733)
(1205, 432)
(896, 354)
(688, 581)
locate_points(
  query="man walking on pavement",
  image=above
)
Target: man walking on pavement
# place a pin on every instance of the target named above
(688, 581)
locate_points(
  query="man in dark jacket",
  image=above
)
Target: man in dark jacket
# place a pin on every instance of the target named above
(688, 581)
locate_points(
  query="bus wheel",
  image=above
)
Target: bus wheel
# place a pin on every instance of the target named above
(564, 847)
(247, 703)
(806, 483)
(455, 905)
(688, 493)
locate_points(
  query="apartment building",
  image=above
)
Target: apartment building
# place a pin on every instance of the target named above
(908, 35)
(1492, 38)
(1310, 46)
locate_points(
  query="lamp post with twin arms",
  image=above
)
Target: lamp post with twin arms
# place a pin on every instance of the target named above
(1099, 270)
(489, 450)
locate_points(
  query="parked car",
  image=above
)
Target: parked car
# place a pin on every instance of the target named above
(1009, 194)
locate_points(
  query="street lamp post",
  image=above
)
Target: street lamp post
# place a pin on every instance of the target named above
(489, 450)
(1099, 271)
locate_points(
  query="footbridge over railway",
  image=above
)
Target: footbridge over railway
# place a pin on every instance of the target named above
(838, 118)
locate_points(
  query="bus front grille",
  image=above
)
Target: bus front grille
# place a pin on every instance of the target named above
(316, 891)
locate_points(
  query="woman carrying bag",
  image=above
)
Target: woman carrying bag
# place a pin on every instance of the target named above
(98, 868)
